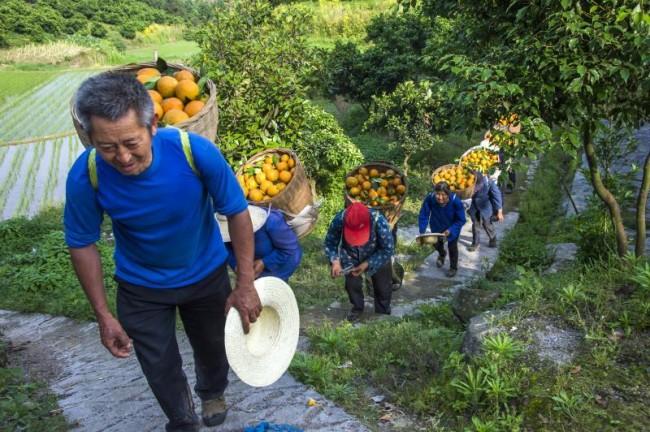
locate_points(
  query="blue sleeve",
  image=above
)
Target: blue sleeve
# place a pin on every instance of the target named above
(386, 246)
(495, 195)
(82, 216)
(333, 237)
(284, 240)
(217, 176)
(425, 215)
(459, 218)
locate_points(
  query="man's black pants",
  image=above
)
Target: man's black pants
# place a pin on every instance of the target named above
(382, 287)
(149, 317)
(487, 224)
(453, 251)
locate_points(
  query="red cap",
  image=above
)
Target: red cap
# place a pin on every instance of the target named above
(356, 224)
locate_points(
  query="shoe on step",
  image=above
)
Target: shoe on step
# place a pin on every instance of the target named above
(440, 261)
(451, 273)
(473, 247)
(354, 315)
(493, 243)
(214, 411)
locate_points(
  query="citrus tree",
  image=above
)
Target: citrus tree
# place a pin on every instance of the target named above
(412, 115)
(572, 64)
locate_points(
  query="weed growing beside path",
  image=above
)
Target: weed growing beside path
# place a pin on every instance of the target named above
(26, 406)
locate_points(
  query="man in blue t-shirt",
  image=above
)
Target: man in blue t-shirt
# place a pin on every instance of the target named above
(169, 254)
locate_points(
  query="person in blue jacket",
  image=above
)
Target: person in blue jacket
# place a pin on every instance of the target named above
(277, 251)
(486, 206)
(444, 213)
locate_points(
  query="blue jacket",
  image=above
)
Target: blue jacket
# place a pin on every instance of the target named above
(377, 251)
(486, 200)
(277, 246)
(441, 218)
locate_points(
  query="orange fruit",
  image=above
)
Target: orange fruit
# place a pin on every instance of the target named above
(255, 195)
(157, 109)
(193, 108)
(148, 71)
(166, 86)
(354, 191)
(171, 103)
(272, 175)
(272, 190)
(280, 186)
(366, 185)
(184, 75)
(351, 181)
(187, 90)
(401, 189)
(363, 171)
(291, 163)
(282, 166)
(174, 116)
(374, 173)
(144, 78)
(155, 96)
(265, 185)
(285, 176)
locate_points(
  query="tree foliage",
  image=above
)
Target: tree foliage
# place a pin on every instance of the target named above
(38, 21)
(261, 64)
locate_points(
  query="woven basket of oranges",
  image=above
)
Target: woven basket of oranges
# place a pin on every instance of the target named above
(481, 159)
(181, 97)
(378, 185)
(276, 178)
(460, 179)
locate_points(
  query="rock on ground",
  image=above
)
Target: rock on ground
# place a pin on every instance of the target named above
(563, 255)
(101, 393)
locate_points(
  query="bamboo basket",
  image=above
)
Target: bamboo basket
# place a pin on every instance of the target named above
(205, 122)
(462, 193)
(496, 171)
(298, 193)
(390, 211)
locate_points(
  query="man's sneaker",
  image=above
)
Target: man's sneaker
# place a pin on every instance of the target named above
(473, 247)
(451, 272)
(354, 315)
(493, 243)
(214, 411)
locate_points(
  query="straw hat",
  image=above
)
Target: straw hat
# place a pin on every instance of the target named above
(258, 217)
(262, 356)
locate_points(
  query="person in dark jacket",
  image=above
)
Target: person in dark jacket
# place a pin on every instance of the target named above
(359, 241)
(486, 205)
(443, 211)
(277, 251)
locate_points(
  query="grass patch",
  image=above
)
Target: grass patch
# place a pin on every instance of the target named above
(26, 406)
(16, 82)
(36, 272)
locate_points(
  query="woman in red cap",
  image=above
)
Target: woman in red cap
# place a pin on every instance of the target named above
(359, 240)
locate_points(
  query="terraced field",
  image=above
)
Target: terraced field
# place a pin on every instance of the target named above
(41, 111)
(37, 146)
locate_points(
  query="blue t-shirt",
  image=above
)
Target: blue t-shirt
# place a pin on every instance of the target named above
(163, 220)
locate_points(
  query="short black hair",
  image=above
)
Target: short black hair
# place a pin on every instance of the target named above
(442, 187)
(110, 95)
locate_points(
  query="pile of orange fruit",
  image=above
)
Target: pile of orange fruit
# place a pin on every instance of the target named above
(267, 177)
(457, 177)
(480, 159)
(175, 98)
(375, 187)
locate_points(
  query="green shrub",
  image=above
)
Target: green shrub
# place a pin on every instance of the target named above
(596, 236)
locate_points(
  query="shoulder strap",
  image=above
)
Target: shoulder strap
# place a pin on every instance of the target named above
(92, 168)
(187, 150)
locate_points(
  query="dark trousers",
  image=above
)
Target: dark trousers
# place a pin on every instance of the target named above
(477, 222)
(382, 288)
(453, 251)
(149, 318)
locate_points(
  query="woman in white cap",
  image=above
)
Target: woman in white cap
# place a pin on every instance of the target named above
(277, 251)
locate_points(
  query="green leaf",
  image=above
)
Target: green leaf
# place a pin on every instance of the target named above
(625, 74)
(161, 64)
(566, 4)
(202, 81)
